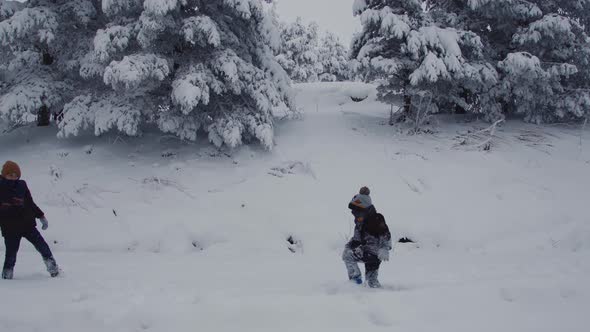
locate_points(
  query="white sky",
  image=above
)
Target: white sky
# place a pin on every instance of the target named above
(332, 15)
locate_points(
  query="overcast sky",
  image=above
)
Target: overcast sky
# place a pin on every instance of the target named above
(333, 15)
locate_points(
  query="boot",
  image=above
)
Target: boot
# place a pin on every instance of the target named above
(357, 280)
(7, 274)
(52, 267)
(372, 280)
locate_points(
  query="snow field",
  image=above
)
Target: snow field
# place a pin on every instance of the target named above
(157, 235)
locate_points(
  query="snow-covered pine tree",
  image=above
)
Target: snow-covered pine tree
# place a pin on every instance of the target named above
(333, 56)
(579, 10)
(299, 51)
(309, 55)
(433, 67)
(549, 76)
(541, 49)
(40, 44)
(187, 66)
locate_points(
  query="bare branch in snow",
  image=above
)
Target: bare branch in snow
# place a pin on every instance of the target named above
(481, 139)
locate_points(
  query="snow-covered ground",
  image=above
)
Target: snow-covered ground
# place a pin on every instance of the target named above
(158, 235)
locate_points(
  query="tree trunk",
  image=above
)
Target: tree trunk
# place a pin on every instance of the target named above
(407, 113)
(43, 116)
(407, 104)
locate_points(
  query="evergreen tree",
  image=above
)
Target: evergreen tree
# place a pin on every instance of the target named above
(41, 42)
(299, 48)
(433, 67)
(187, 66)
(310, 56)
(334, 59)
(541, 50)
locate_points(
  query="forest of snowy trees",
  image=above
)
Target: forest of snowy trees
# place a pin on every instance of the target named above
(224, 68)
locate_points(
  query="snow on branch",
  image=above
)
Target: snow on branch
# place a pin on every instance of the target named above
(114, 7)
(22, 101)
(184, 127)
(194, 88)
(245, 8)
(134, 70)
(521, 62)
(481, 139)
(513, 8)
(201, 30)
(83, 10)
(100, 113)
(111, 40)
(39, 21)
(161, 7)
(552, 26)
(8, 8)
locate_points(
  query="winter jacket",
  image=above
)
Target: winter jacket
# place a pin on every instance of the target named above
(372, 234)
(18, 211)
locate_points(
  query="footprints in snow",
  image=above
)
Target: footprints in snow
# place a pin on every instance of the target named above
(418, 186)
(380, 317)
(525, 294)
(376, 315)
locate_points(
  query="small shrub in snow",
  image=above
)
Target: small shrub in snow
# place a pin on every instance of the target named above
(63, 153)
(294, 244)
(168, 154)
(405, 240)
(481, 139)
(88, 149)
(55, 173)
(197, 245)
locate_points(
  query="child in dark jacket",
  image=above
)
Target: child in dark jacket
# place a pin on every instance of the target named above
(18, 212)
(370, 243)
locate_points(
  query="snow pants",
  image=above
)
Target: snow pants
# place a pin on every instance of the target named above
(12, 242)
(372, 264)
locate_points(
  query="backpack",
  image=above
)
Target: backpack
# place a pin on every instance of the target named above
(375, 225)
(12, 198)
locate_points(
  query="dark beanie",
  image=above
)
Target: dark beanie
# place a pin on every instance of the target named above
(365, 191)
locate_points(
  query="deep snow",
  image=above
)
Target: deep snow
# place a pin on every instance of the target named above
(158, 235)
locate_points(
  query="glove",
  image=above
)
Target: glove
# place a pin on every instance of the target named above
(383, 255)
(358, 252)
(44, 223)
